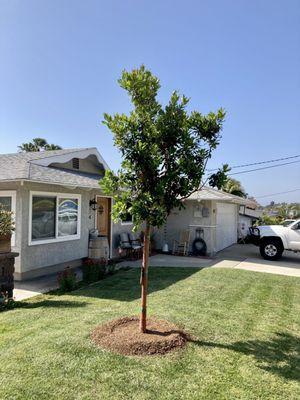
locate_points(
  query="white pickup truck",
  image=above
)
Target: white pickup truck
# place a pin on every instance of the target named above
(273, 240)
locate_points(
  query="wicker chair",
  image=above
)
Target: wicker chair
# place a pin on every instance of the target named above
(181, 246)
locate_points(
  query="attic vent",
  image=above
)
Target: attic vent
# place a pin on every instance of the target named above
(75, 162)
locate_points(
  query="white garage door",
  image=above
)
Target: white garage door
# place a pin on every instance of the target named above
(226, 225)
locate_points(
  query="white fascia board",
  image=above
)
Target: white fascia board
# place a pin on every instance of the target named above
(65, 185)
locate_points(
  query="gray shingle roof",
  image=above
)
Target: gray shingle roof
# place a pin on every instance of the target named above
(21, 166)
(208, 193)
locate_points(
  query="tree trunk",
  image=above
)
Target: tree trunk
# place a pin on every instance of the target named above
(144, 279)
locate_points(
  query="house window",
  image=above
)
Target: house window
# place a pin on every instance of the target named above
(75, 162)
(127, 219)
(67, 217)
(54, 217)
(43, 217)
(6, 202)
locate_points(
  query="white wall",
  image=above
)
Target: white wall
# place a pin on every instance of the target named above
(180, 220)
(226, 221)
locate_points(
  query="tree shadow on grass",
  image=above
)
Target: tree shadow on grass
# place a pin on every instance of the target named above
(45, 303)
(125, 285)
(280, 355)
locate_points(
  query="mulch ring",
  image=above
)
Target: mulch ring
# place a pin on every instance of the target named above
(124, 337)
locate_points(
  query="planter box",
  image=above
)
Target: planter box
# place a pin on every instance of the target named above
(7, 268)
(5, 244)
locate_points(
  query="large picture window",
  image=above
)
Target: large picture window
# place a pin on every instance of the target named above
(54, 217)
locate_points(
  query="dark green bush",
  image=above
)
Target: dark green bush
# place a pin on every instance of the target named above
(67, 280)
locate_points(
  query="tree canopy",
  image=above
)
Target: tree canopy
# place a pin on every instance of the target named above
(38, 144)
(233, 186)
(165, 150)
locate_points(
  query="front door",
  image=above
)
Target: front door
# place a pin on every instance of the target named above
(103, 216)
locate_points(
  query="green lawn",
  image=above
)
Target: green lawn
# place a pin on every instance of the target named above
(247, 325)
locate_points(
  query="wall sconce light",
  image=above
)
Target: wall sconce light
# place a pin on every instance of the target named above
(93, 204)
(96, 207)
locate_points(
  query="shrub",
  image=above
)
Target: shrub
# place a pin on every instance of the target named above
(67, 280)
(7, 225)
(93, 270)
(6, 304)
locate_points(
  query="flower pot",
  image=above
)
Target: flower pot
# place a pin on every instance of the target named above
(5, 244)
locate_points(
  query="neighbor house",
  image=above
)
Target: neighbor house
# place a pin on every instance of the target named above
(210, 214)
(57, 200)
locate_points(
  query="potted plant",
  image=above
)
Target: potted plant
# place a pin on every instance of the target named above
(7, 226)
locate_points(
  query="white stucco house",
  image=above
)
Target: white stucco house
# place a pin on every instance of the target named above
(57, 200)
(53, 196)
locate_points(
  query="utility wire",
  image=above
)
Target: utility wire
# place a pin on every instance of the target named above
(258, 163)
(275, 194)
(260, 169)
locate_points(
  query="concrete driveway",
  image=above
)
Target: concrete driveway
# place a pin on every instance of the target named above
(240, 256)
(247, 257)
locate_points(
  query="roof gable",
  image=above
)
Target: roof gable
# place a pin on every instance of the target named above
(36, 166)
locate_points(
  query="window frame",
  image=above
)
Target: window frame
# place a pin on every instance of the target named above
(13, 195)
(56, 239)
(127, 222)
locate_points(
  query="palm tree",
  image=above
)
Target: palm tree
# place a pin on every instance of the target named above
(234, 187)
(38, 144)
(52, 147)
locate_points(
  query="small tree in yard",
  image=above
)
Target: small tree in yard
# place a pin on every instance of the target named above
(165, 151)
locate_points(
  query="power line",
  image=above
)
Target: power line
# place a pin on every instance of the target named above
(258, 163)
(262, 168)
(275, 194)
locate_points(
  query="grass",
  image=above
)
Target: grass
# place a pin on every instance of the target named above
(247, 327)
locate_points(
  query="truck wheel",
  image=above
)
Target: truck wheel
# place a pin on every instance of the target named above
(271, 249)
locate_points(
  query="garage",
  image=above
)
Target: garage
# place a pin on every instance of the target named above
(226, 221)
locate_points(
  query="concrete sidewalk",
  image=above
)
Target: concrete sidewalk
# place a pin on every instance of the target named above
(270, 267)
(238, 256)
(167, 260)
(33, 287)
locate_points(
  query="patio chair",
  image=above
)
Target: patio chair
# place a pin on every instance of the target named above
(136, 244)
(125, 243)
(181, 246)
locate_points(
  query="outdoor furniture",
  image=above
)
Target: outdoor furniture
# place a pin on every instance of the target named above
(136, 244)
(125, 243)
(131, 244)
(181, 246)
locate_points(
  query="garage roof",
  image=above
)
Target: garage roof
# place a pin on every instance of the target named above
(207, 193)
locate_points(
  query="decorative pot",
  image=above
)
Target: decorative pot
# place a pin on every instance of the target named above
(5, 244)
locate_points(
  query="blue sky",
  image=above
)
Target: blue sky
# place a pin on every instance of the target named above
(60, 61)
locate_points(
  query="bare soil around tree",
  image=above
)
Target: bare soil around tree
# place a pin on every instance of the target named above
(123, 336)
